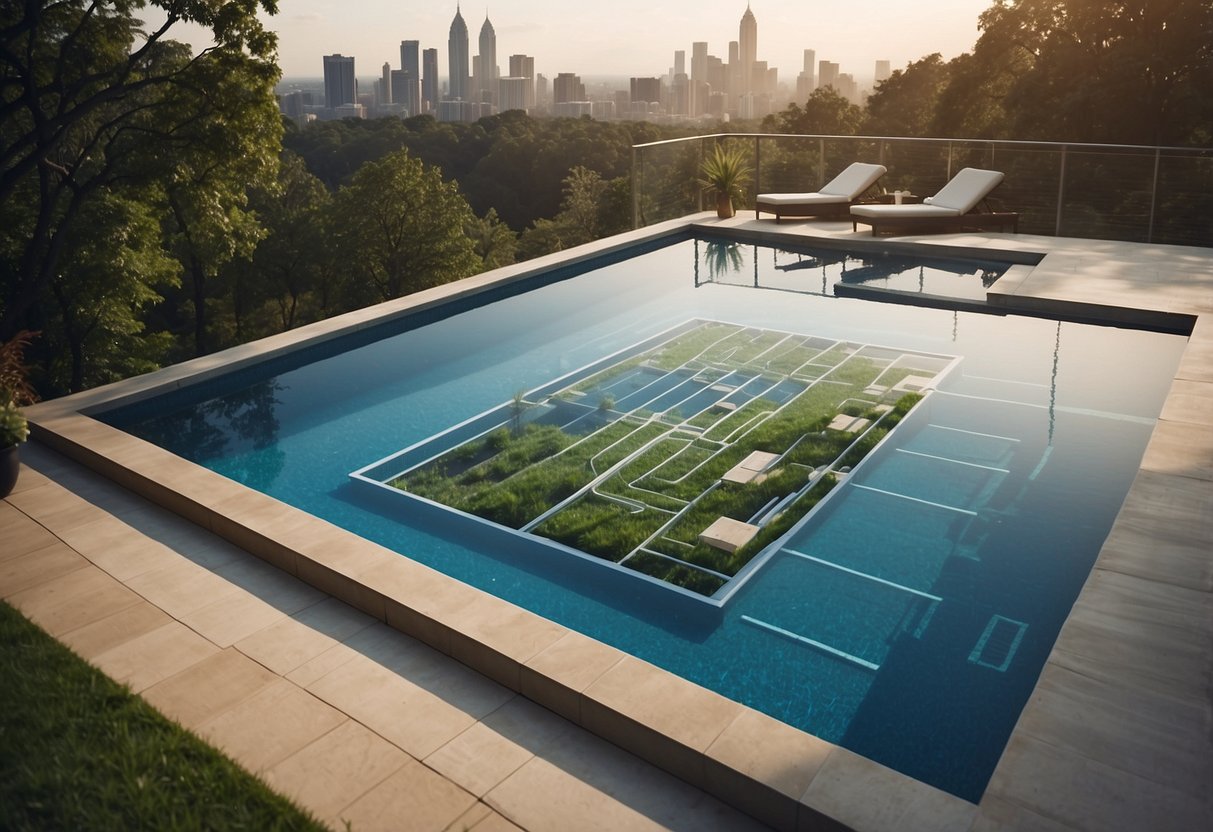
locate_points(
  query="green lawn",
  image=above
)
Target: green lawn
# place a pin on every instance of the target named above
(80, 752)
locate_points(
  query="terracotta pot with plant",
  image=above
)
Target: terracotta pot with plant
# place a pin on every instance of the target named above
(727, 173)
(15, 392)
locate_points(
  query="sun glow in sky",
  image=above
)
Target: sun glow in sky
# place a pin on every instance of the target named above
(628, 37)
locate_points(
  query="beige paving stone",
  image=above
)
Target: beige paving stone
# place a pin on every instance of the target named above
(184, 537)
(398, 709)
(28, 477)
(763, 766)
(478, 759)
(657, 715)
(233, 617)
(157, 654)
(1189, 401)
(491, 822)
(424, 666)
(1139, 731)
(556, 676)
(181, 587)
(336, 769)
(19, 534)
(80, 597)
(291, 642)
(997, 815)
(468, 820)
(1197, 361)
(1182, 449)
(1139, 633)
(497, 638)
(1087, 794)
(863, 795)
(113, 630)
(314, 669)
(1164, 532)
(55, 507)
(118, 548)
(270, 584)
(414, 797)
(209, 687)
(37, 567)
(270, 725)
(543, 796)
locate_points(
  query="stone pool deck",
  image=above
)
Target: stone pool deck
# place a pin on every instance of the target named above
(373, 689)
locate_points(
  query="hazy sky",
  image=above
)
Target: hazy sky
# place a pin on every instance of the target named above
(628, 37)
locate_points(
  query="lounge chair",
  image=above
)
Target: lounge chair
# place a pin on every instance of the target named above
(954, 208)
(834, 198)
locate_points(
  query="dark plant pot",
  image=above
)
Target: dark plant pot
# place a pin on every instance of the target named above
(724, 206)
(10, 466)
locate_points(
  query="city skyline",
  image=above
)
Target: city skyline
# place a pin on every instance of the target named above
(630, 38)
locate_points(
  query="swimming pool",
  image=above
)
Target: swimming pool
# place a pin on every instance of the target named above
(908, 622)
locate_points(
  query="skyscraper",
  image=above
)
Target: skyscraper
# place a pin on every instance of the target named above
(747, 52)
(429, 79)
(806, 81)
(699, 60)
(883, 70)
(523, 66)
(486, 78)
(410, 95)
(385, 85)
(827, 74)
(340, 86)
(457, 55)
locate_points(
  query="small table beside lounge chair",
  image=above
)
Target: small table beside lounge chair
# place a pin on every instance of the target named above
(954, 208)
(833, 200)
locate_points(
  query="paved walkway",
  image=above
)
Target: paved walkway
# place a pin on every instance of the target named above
(354, 720)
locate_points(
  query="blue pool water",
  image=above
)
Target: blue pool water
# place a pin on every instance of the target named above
(908, 622)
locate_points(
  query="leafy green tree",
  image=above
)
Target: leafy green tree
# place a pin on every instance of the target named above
(495, 244)
(1135, 71)
(112, 270)
(825, 113)
(400, 227)
(289, 261)
(88, 97)
(905, 103)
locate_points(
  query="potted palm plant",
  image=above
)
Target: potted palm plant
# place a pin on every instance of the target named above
(727, 173)
(14, 393)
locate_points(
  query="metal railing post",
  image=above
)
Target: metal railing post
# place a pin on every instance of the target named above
(636, 153)
(1061, 192)
(1153, 195)
(757, 168)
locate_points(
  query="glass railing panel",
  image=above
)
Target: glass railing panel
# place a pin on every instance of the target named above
(1183, 207)
(1107, 194)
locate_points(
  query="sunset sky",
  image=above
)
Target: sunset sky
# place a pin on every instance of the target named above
(629, 37)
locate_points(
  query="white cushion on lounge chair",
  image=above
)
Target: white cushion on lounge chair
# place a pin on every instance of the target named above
(904, 211)
(803, 199)
(959, 196)
(966, 189)
(845, 187)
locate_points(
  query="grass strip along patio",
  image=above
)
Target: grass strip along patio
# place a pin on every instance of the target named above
(79, 751)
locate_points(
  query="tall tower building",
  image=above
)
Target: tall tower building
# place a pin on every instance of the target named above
(523, 66)
(747, 52)
(457, 56)
(486, 77)
(340, 86)
(806, 81)
(410, 67)
(827, 74)
(883, 70)
(429, 80)
(385, 85)
(699, 60)
(680, 62)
